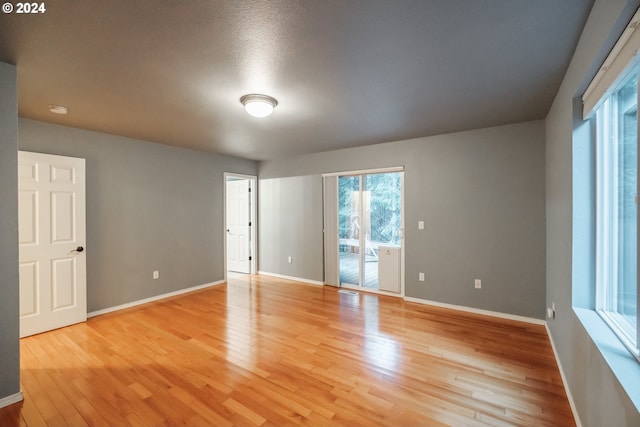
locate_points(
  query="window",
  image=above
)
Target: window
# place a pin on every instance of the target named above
(616, 211)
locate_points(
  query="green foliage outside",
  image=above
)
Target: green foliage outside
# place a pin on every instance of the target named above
(382, 195)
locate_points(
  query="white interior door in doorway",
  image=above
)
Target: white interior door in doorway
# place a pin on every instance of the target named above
(238, 219)
(53, 291)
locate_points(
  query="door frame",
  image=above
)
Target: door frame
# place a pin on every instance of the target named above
(253, 230)
(360, 173)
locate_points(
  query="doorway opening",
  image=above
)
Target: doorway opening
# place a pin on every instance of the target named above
(239, 224)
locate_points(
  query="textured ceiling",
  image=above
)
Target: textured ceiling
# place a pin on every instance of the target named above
(345, 73)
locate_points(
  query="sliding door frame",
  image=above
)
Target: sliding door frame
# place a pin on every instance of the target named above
(331, 225)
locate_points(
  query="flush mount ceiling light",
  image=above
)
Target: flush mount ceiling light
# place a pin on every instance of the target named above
(258, 105)
(58, 109)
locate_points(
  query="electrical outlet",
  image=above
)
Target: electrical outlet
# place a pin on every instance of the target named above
(421, 277)
(156, 275)
(289, 260)
(420, 225)
(478, 283)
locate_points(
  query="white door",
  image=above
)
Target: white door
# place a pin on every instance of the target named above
(52, 237)
(238, 226)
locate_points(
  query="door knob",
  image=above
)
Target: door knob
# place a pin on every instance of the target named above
(78, 249)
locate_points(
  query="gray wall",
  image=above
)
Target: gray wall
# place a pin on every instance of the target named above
(294, 202)
(480, 193)
(9, 324)
(149, 207)
(598, 396)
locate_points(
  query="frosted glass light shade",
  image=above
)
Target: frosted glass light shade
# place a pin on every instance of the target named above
(258, 105)
(58, 109)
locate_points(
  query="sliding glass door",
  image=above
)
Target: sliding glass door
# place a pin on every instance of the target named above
(369, 220)
(349, 229)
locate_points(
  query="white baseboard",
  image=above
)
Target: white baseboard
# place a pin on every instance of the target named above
(10, 400)
(297, 279)
(152, 299)
(478, 311)
(574, 410)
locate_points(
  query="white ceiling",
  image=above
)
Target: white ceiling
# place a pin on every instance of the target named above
(345, 72)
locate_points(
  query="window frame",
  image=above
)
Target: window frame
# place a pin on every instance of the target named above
(607, 208)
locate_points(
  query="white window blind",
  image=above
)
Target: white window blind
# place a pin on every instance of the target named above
(331, 263)
(618, 63)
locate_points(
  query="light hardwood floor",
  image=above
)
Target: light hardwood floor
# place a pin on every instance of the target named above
(261, 351)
